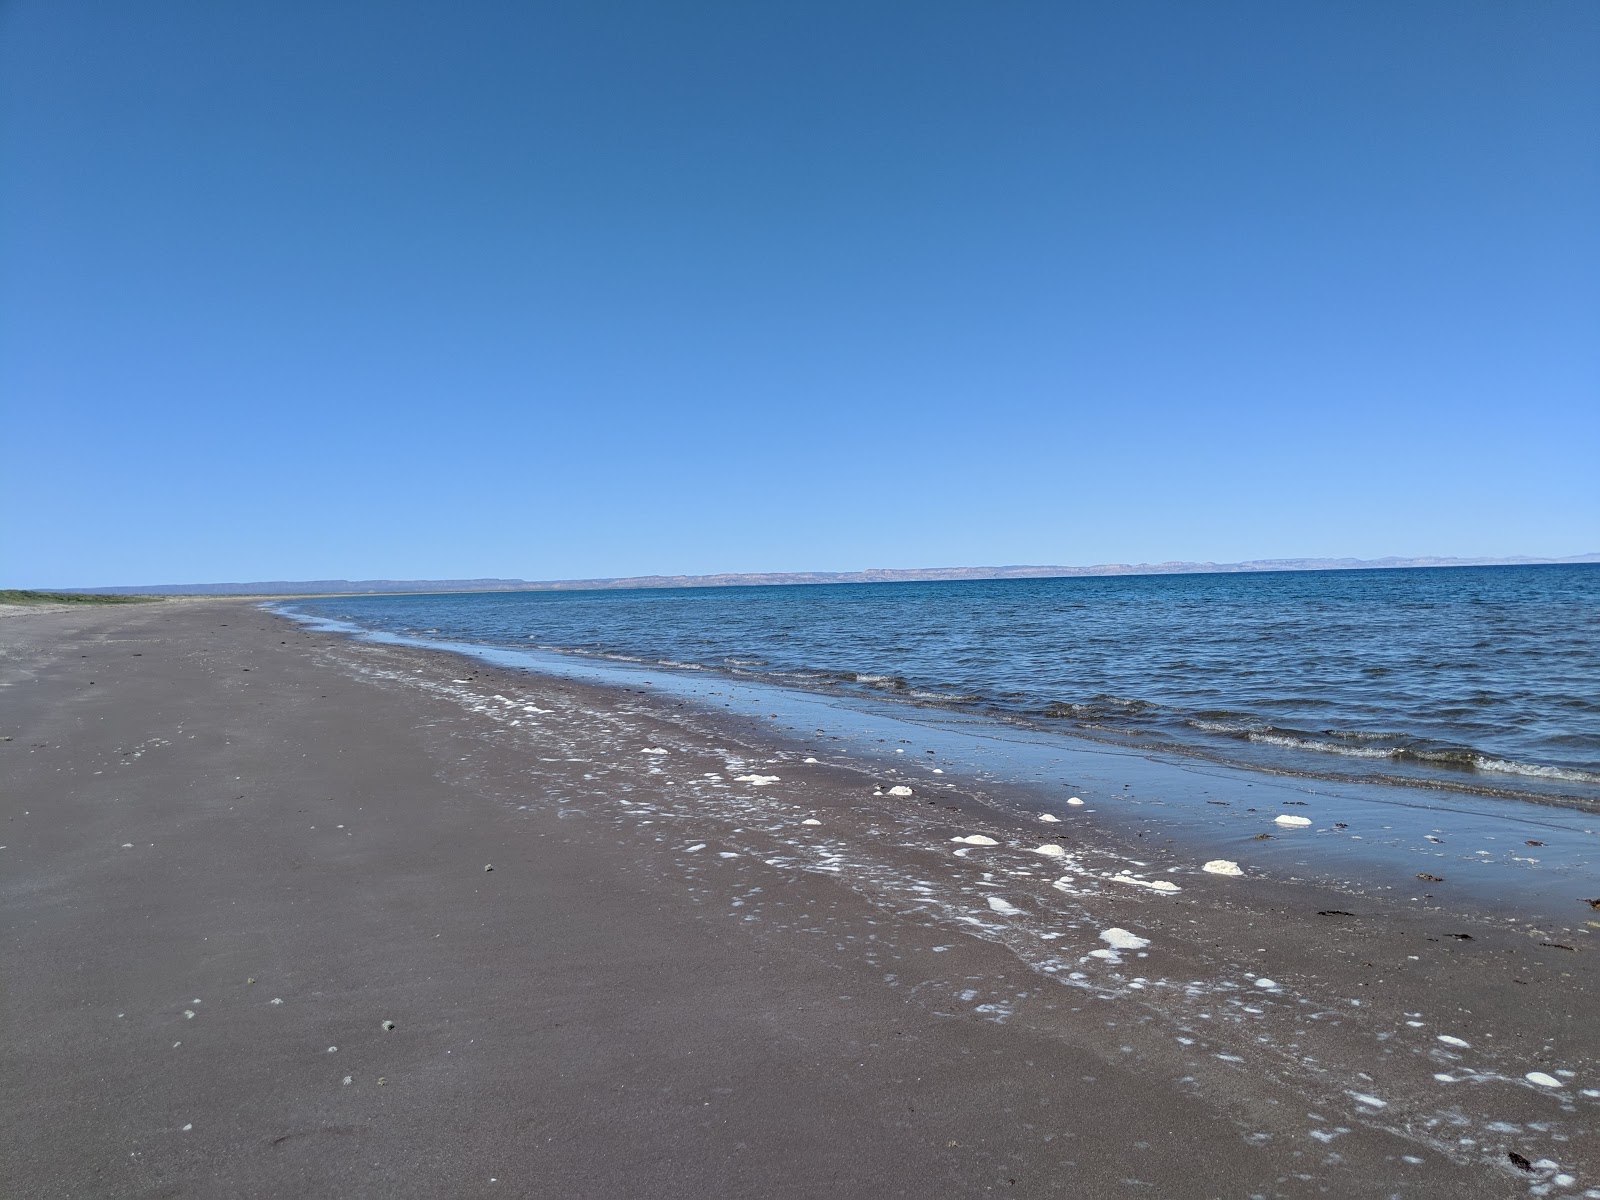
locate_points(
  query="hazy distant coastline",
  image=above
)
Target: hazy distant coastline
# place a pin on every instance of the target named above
(304, 587)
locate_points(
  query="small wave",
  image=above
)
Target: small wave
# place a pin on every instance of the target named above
(1448, 756)
(891, 682)
(1122, 703)
(1234, 727)
(1099, 707)
(941, 697)
(1507, 767)
(1459, 757)
(1067, 711)
(820, 675)
(1363, 735)
(1304, 743)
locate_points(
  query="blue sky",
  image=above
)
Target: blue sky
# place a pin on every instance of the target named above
(302, 290)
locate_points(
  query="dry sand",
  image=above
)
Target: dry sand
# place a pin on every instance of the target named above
(233, 850)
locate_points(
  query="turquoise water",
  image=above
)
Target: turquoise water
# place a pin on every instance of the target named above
(1481, 679)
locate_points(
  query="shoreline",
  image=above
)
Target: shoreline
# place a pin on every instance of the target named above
(1264, 743)
(861, 1003)
(1518, 859)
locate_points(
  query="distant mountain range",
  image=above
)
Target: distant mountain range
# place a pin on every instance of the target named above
(304, 587)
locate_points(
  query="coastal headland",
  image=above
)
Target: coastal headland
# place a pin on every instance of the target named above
(287, 913)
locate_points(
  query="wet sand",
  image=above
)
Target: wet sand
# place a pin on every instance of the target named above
(234, 849)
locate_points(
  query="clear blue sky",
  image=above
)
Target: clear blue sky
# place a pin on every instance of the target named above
(308, 289)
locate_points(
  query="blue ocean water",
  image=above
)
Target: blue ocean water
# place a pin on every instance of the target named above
(1484, 679)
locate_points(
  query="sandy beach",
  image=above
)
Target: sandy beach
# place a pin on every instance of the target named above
(287, 914)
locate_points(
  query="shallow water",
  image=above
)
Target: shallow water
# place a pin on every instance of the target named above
(1502, 856)
(1478, 679)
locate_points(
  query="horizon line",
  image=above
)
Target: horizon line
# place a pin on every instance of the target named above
(802, 578)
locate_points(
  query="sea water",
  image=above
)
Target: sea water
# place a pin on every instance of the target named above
(1481, 679)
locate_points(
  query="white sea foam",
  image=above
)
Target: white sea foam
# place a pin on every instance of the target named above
(1454, 1041)
(1291, 822)
(1222, 866)
(756, 780)
(1297, 743)
(1075, 802)
(1049, 818)
(899, 789)
(1004, 907)
(1050, 850)
(1480, 762)
(976, 839)
(1507, 767)
(1543, 1080)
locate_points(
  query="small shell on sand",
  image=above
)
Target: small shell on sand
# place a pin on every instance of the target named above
(1121, 939)
(1291, 822)
(1152, 885)
(1222, 866)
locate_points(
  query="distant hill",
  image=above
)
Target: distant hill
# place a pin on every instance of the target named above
(304, 587)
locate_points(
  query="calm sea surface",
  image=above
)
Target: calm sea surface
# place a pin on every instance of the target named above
(1481, 678)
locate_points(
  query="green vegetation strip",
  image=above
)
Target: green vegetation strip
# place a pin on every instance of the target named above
(13, 596)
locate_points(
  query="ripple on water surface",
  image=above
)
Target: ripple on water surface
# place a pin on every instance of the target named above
(1485, 678)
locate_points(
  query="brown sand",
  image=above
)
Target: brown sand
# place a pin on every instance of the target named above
(208, 810)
